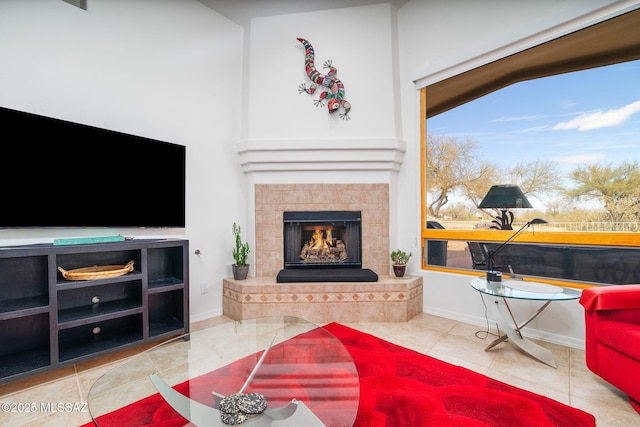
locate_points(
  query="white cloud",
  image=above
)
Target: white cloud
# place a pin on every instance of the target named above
(581, 158)
(568, 104)
(516, 118)
(600, 119)
(534, 129)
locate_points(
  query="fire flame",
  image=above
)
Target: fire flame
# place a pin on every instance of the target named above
(323, 248)
(319, 241)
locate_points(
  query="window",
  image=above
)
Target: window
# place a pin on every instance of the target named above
(549, 252)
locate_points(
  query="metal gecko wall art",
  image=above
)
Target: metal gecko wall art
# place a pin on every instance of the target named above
(333, 89)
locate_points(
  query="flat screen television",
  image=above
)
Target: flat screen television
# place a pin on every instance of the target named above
(57, 173)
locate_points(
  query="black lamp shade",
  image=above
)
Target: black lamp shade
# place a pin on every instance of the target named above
(504, 196)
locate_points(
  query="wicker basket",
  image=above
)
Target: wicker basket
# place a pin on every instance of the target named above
(97, 272)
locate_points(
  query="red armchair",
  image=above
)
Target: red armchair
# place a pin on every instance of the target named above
(612, 336)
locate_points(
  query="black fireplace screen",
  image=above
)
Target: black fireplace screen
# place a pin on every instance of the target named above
(323, 239)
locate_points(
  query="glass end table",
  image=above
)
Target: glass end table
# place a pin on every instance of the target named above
(501, 292)
(304, 373)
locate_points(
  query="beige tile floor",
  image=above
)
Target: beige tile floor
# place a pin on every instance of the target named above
(458, 343)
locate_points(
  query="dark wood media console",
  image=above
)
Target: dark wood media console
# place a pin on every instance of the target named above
(47, 322)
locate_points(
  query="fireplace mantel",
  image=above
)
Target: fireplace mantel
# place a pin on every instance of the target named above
(350, 154)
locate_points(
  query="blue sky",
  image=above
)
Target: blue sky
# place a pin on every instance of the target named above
(572, 119)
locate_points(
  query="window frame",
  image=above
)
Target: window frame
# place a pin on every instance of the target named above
(607, 42)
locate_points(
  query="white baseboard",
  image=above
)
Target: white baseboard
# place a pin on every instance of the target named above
(529, 332)
(205, 316)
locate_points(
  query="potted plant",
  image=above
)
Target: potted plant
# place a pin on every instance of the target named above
(399, 261)
(240, 252)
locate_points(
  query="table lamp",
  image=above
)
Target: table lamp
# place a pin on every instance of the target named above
(504, 197)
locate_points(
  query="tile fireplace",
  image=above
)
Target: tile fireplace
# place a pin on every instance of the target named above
(387, 299)
(273, 200)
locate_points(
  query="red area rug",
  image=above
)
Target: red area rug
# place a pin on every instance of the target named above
(398, 387)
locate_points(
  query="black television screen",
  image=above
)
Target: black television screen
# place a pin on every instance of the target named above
(57, 173)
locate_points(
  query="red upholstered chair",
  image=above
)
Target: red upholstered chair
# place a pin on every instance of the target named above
(612, 338)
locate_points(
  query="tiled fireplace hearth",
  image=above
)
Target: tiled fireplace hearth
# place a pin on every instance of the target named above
(388, 299)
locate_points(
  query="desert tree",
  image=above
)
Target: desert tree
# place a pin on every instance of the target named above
(452, 166)
(536, 178)
(617, 188)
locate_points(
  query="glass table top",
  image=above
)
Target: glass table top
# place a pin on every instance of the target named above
(524, 289)
(305, 374)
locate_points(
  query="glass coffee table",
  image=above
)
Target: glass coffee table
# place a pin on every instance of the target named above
(271, 371)
(501, 292)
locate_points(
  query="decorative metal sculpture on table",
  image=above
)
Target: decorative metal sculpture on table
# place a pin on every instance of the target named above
(333, 89)
(238, 408)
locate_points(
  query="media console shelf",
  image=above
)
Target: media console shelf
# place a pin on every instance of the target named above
(47, 322)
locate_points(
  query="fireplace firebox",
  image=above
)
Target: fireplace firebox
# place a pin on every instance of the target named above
(322, 239)
(323, 246)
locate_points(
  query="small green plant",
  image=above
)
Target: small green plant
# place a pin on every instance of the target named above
(241, 250)
(399, 257)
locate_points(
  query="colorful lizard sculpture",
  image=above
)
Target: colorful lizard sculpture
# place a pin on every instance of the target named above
(333, 88)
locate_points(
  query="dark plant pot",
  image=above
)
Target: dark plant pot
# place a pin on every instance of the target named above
(240, 273)
(399, 270)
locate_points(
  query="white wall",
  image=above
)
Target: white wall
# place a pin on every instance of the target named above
(357, 40)
(164, 69)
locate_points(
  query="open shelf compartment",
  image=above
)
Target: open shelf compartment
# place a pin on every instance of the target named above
(98, 301)
(166, 313)
(25, 344)
(71, 261)
(166, 266)
(24, 283)
(97, 337)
